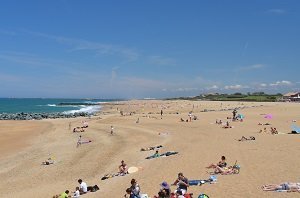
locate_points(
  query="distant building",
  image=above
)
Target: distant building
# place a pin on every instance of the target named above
(291, 97)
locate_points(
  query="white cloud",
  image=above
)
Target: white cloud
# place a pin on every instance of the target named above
(235, 87)
(276, 11)
(263, 85)
(9, 33)
(161, 60)
(251, 67)
(212, 87)
(281, 83)
(98, 48)
(184, 89)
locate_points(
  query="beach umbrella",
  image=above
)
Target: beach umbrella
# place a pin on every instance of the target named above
(241, 116)
(268, 116)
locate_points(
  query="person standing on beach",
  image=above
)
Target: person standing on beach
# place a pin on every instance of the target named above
(190, 116)
(79, 141)
(161, 113)
(111, 130)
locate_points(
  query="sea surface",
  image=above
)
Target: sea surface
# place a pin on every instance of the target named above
(47, 105)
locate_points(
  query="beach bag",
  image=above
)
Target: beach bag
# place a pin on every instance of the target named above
(144, 196)
(93, 188)
(203, 196)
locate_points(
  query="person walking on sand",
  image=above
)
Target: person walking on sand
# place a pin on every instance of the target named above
(79, 141)
(111, 130)
(190, 116)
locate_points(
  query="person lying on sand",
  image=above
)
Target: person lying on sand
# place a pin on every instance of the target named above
(220, 164)
(151, 148)
(78, 129)
(244, 138)
(287, 186)
(227, 127)
(227, 171)
(48, 161)
(264, 124)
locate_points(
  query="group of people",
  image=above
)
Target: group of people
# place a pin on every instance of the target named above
(273, 130)
(221, 167)
(79, 190)
(182, 183)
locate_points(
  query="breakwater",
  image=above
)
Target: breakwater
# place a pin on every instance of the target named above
(40, 116)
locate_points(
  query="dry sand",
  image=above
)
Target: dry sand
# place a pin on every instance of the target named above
(268, 159)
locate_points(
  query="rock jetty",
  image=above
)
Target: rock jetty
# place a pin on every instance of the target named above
(40, 116)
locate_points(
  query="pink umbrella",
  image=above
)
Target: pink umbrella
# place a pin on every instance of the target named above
(268, 116)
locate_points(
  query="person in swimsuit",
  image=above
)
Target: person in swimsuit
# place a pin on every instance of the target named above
(221, 163)
(288, 186)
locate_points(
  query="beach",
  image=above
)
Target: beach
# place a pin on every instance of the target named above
(267, 159)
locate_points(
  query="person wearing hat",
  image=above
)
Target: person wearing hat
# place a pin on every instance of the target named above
(182, 182)
(165, 191)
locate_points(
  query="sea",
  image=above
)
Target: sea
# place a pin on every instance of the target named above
(50, 105)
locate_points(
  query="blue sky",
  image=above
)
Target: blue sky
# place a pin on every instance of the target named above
(137, 49)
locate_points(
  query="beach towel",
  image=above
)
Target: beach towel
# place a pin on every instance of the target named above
(212, 179)
(133, 169)
(162, 155)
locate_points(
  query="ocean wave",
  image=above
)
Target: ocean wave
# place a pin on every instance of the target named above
(51, 105)
(86, 109)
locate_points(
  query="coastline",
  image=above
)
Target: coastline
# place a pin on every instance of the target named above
(262, 161)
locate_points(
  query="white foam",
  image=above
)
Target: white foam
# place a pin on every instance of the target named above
(51, 105)
(86, 109)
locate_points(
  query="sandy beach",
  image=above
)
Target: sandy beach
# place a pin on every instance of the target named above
(267, 159)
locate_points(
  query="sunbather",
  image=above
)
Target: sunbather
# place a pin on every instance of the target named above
(244, 138)
(123, 168)
(48, 161)
(221, 163)
(287, 186)
(156, 154)
(151, 148)
(227, 171)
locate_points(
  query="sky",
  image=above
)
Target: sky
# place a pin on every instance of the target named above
(148, 49)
